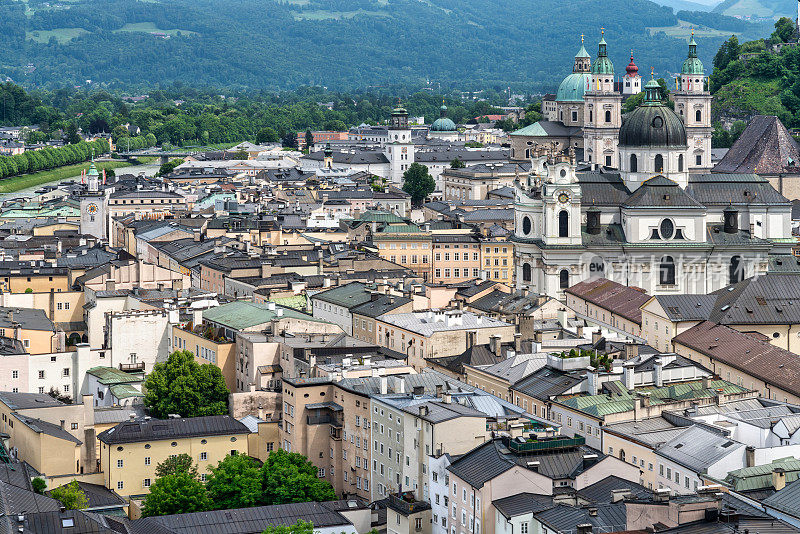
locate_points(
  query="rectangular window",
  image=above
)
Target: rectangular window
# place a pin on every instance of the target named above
(120, 463)
(146, 483)
(146, 460)
(203, 456)
(120, 485)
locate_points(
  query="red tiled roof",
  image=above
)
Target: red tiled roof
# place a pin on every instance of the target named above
(759, 359)
(618, 299)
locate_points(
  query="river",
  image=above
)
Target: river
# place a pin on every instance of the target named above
(148, 169)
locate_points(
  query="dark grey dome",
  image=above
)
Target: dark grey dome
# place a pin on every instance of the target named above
(653, 124)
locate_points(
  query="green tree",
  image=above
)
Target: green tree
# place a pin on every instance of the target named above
(728, 52)
(301, 527)
(289, 477)
(169, 166)
(70, 495)
(181, 463)
(418, 183)
(235, 482)
(71, 133)
(784, 30)
(267, 135)
(39, 485)
(182, 386)
(309, 139)
(176, 493)
(457, 164)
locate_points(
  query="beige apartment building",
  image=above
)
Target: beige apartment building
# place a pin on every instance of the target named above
(407, 245)
(130, 452)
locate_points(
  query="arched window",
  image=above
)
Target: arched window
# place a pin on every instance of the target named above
(698, 116)
(680, 162)
(563, 279)
(608, 116)
(526, 272)
(563, 224)
(735, 270)
(634, 163)
(622, 455)
(666, 271)
(526, 225)
(659, 163)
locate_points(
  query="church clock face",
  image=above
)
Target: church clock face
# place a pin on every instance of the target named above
(563, 197)
(91, 209)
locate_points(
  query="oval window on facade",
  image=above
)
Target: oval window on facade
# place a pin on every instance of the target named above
(667, 229)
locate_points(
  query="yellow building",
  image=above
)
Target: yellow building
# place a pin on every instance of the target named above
(497, 260)
(408, 245)
(219, 351)
(130, 452)
(19, 277)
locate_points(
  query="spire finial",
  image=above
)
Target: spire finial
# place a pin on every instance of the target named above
(581, 38)
(692, 32)
(631, 53)
(602, 30)
(652, 72)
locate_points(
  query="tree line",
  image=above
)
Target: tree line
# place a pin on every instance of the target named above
(50, 157)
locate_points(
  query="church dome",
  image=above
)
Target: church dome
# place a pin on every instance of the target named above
(692, 64)
(443, 124)
(632, 70)
(573, 87)
(653, 124)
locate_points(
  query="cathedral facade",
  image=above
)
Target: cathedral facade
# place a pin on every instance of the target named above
(656, 218)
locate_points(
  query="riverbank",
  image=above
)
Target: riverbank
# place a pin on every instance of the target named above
(24, 181)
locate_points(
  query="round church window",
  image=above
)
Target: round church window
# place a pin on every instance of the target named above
(667, 229)
(658, 122)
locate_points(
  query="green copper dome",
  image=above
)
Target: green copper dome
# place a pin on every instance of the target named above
(582, 53)
(602, 64)
(573, 87)
(652, 124)
(443, 124)
(692, 64)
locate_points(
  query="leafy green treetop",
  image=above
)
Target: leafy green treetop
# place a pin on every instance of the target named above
(234, 483)
(457, 164)
(288, 477)
(176, 493)
(71, 496)
(181, 463)
(301, 527)
(418, 183)
(182, 386)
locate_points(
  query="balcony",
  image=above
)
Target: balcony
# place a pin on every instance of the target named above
(132, 367)
(323, 419)
(544, 445)
(406, 504)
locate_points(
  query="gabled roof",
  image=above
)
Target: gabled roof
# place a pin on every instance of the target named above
(764, 147)
(786, 500)
(617, 298)
(660, 192)
(162, 429)
(699, 448)
(686, 307)
(522, 503)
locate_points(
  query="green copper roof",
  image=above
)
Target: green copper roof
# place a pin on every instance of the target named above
(602, 65)
(93, 169)
(443, 125)
(532, 130)
(692, 65)
(582, 53)
(573, 87)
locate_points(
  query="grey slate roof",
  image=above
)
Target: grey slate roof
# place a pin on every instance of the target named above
(563, 518)
(383, 304)
(600, 491)
(22, 401)
(764, 147)
(660, 192)
(158, 429)
(523, 503)
(699, 448)
(240, 520)
(547, 382)
(43, 427)
(686, 307)
(786, 500)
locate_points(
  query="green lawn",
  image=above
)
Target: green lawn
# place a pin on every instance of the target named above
(62, 35)
(24, 181)
(150, 27)
(683, 29)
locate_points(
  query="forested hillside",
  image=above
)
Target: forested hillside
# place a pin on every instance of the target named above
(281, 44)
(754, 78)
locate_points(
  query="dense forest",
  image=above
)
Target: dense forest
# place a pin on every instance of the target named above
(526, 45)
(758, 77)
(184, 116)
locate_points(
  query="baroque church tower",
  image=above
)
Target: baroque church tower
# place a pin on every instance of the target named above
(602, 112)
(399, 148)
(693, 105)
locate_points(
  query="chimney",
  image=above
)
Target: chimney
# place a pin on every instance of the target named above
(596, 336)
(618, 495)
(534, 466)
(471, 336)
(628, 375)
(778, 479)
(704, 382)
(631, 351)
(384, 385)
(593, 511)
(591, 381)
(494, 344)
(750, 456)
(589, 460)
(419, 391)
(658, 372)
(439, 390)
(423, 411)
(518, 343)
